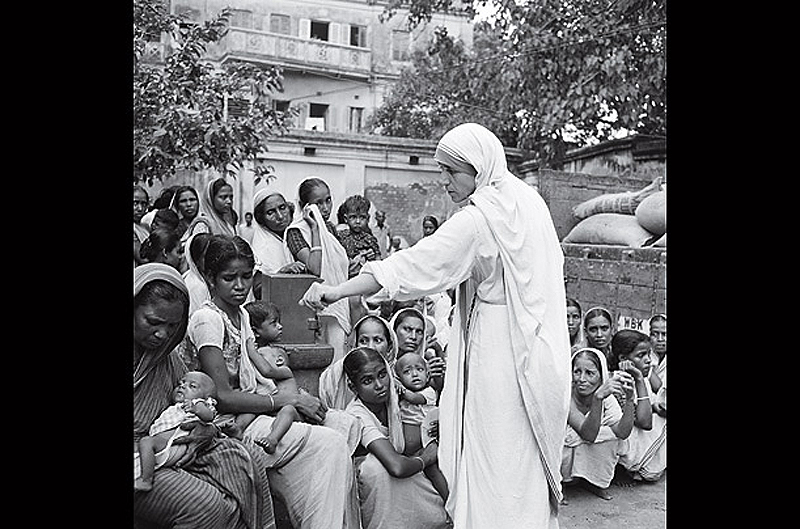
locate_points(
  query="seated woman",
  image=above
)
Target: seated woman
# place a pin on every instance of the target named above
(596, 422)
(310, 469)
(643, 455)
(393, 490)
(222, 482)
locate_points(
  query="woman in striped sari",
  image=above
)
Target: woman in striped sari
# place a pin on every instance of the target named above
(223, 483)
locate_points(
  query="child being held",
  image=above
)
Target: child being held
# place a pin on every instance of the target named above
(193, 402)
(359, 242)
(417, 399)
(272, 372)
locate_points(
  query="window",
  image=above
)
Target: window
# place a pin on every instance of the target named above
(358, 36)
(400, 42)
(280, 106)
(356, 119)
(241, 18)
(317, 114)
(279, 24)
(319, 30)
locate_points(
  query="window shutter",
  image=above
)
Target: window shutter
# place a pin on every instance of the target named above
(305, 28)
(334, 33)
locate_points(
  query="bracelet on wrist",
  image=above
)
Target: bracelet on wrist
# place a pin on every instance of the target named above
(642, 398)
(421, 461)
(315, 248)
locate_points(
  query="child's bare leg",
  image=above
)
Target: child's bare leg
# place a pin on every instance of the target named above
(433, 473)
(283, 421)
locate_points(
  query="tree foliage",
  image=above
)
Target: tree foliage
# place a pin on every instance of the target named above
(183, 116)
(540, 74)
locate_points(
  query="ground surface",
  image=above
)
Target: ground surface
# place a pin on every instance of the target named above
(642, 506)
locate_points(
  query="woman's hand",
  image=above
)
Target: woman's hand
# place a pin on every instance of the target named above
(296, 267)
(629, 367)
(436, 367)
(310, 407)
(318, 296)
(198, 441)
(308, 216)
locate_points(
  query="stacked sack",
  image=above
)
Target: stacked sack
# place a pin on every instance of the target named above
(635, 219)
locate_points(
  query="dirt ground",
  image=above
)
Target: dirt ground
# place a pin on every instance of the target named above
(643, 506)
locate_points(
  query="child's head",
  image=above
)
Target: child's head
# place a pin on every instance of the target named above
(314, 190)
(597, 326)
(162, 246)
(587, 371)
(574, 317)
(412, 371)
(355, 211)
(409, 326)
(265, 320)
(368, 375)
(658, 333)
(375, 333)
(165, 218)
(194, 385)
(429, 225)
(632, 345)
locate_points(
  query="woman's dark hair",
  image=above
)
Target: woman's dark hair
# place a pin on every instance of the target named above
(167, 217)
(165, 197)
(143, 190)
(160, 290)
(197, 248)
(574, 303)
(260, 311)
(307, 186)
(222, 249)
(625, 341)
(357, 359)
(159, 240)
(181, 190)
(433, 220)
(413, 313)
(597, 311)
(592, 356)
(657, 317)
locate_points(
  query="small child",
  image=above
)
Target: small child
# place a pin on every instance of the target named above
(417, 399)
(359, 242)
(193, 401)
(271, 363)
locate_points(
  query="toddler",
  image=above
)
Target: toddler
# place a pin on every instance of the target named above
(417, 399)
(359, 242)
(193, 402)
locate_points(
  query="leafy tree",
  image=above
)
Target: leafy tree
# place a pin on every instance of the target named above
(540, 73)
(184, 108)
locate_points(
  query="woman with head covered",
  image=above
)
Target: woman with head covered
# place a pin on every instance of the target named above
(506, 393)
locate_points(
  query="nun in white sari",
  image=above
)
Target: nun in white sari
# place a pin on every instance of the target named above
(504, 405)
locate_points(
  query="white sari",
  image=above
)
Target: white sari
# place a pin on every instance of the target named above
(507, 385)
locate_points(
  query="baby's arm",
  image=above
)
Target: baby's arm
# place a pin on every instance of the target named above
(414, 397)
(266, 367)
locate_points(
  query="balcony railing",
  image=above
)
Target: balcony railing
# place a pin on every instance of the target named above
(290, 50)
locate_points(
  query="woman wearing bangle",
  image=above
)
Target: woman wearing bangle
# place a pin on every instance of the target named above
(643, 455)
(394, 492)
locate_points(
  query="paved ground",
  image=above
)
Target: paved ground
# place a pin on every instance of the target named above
(643, 506)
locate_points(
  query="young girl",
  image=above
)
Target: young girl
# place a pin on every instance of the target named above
(643, 456)
(193, 401)
(370, 331)
(596, 422)
(417, 400)
(598, 327)
(574, 321)
(394, 491)
(163, 246)
(312, 240)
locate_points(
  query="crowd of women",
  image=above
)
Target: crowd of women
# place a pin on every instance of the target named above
(414, 332)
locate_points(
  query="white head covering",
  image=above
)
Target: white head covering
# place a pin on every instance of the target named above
(209, 216)
(334, 267)
(533, 264)
(270, 250)
(611, 413)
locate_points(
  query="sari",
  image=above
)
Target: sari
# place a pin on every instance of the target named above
(270, 250)
(388, 502)
(208, 219)
(225, 485)
(310, 470)
(198, 290)
(644, 452)
(333, 389)
(335, 319)
(509, 347)
(594, 461)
